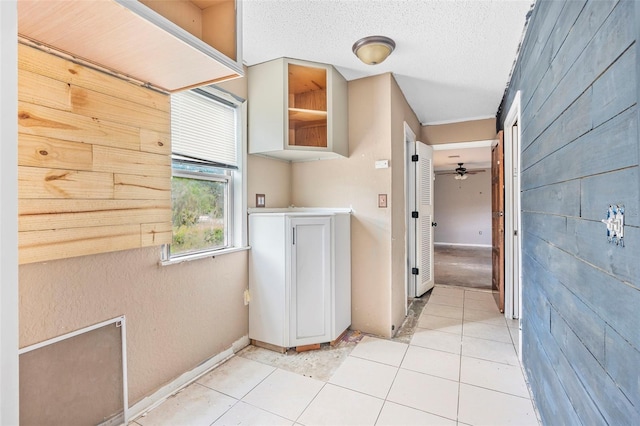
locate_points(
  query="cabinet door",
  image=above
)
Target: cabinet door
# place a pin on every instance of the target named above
(310, 309)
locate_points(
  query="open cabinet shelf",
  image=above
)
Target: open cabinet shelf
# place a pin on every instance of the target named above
(307, 94)
(310, 103)
(150, 41)
(299, 118)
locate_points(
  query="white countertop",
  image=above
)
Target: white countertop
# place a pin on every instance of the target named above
(300, 210)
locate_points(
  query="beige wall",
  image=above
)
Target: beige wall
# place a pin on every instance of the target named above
(465, 131)
(462, 209)
(400, 113)
(266, 176)
(177, 316)
(354, 182)
(374, 134)
(271, 178)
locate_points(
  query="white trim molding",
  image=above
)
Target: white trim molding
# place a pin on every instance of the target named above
(462, 245)
(487, 143)
(159, 396)
(512, 216)
(9, 342)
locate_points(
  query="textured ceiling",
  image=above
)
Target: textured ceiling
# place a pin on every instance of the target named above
(452, 58)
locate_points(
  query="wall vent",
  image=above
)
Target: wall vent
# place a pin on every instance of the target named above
(76, 379)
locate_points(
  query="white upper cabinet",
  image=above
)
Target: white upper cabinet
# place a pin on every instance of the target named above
(298, 110)
(170, 45)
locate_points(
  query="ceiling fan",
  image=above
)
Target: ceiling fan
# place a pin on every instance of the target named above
(461, 172)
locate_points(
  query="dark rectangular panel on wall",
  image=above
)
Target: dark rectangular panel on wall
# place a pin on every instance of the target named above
(578, 76)
(75, 381)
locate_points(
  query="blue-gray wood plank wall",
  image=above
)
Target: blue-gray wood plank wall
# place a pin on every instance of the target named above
(578, 73)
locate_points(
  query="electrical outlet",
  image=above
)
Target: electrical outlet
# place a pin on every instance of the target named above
(382, 200)
(261, 200)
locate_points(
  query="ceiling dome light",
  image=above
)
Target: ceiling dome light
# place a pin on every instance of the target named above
(373, 50)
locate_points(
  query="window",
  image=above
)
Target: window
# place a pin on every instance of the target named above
(207, 183)
(200, 209)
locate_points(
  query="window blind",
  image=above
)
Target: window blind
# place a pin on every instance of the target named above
(203, 129)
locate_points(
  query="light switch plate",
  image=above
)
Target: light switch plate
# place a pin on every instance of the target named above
(382, 164)
(382, 200)
(261, 200)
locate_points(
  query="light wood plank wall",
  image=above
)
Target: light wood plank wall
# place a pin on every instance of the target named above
(94, 157)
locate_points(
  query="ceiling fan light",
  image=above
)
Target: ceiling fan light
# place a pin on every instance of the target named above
(373, 50)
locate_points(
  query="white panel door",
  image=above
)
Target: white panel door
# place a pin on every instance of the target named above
(310, 310)
(424, 231)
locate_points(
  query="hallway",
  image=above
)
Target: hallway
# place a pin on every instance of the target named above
(459, 367)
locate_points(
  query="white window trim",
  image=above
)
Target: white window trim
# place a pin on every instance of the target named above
(239, 197)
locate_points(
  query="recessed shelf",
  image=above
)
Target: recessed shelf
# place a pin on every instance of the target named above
(306, 115)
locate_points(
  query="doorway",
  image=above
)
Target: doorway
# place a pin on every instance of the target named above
(462, 202)
(419, 215)
(512, 223)
(497, 220)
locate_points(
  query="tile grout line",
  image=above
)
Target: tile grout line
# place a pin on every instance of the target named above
(296, 421)
(464, 294)
(241, 399)
(459, 355)
(226, 411)
(465, 301)
(496, 390)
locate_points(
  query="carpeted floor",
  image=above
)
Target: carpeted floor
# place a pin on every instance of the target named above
(463, 266)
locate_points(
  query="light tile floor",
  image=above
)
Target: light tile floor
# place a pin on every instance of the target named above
(460, 368)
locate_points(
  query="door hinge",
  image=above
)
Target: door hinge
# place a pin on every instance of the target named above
(515, 233)
(415, 271)
(414, 215)
(414, 158)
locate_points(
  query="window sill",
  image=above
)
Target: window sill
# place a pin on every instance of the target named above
(210, 254)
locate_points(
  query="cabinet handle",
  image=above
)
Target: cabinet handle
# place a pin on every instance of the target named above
(294, 236)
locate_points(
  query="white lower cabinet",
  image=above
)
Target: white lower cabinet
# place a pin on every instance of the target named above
(299, 277)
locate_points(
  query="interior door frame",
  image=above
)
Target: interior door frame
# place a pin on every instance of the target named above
(9, 342)
(424, 222)
(410, 201)
(513, 237)
(497, 219)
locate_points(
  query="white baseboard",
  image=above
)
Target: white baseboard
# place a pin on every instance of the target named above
(159, 396)
(462, 245)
